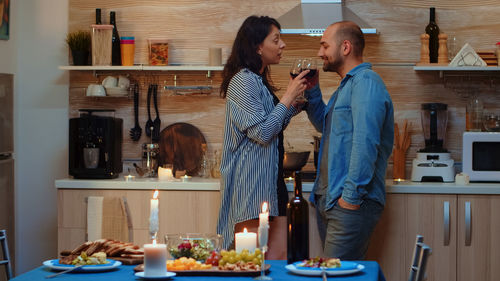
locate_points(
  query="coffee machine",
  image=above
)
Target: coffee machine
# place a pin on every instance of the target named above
(95, 145)
(433, 163)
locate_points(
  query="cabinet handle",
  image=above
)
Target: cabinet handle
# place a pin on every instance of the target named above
(467, 224)
(446, 219)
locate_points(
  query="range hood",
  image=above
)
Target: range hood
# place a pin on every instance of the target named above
(312, 17)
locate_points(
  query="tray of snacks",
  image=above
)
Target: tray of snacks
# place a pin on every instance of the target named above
(227, 263)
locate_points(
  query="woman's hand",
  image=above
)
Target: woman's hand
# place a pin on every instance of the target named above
(296, 87)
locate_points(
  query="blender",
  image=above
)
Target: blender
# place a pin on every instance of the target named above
(433, 163)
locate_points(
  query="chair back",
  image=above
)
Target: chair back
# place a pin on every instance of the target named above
(5, 252)
(419, 262)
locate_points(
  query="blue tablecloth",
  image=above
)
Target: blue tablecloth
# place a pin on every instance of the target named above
(372, 272)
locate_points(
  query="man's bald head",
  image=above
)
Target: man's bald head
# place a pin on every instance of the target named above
(348, 30)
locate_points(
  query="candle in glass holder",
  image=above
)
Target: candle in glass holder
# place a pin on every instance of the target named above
(154, 225)
(245, 240)
(155, 260)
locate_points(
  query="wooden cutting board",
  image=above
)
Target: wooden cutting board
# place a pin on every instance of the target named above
(128, 261)
(181, 145)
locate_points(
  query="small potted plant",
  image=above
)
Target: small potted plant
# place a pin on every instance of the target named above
(79, 43)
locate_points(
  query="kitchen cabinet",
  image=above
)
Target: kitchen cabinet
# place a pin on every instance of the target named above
(478, 243)
(387, 244)
(462, 249)
(180, 211)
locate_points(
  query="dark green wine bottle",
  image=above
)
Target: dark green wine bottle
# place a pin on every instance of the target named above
(297, 212)
(116, 53)
(433, 30)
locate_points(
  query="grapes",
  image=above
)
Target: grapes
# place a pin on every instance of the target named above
(232, 257)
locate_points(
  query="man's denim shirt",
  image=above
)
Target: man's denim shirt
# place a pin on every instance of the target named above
(361, 136)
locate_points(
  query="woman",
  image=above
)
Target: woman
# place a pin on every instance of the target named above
(252, 157)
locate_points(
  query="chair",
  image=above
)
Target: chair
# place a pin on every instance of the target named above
(5, 251)
(419, 263)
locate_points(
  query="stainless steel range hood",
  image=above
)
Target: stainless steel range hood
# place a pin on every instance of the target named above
(312, 17)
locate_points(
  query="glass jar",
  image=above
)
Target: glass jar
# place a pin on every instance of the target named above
(150, 159)
(474, 115)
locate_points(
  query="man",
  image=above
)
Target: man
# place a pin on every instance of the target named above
(358, 133)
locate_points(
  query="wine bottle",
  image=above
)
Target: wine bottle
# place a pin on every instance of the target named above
(433, 30)
(116, 54)
(98, 16)
(297, 212)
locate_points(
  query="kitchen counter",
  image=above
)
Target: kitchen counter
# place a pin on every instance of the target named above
(203, 184)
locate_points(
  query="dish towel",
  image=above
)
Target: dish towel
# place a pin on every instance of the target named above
(94, 217)
(109, 218)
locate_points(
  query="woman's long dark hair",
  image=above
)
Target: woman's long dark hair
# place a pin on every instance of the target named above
(251, 34)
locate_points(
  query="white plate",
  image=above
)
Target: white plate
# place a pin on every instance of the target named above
(346, 267)
(167, 275)
(55, 265)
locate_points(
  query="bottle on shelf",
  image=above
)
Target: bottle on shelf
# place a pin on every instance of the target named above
(205, 164)
(297, 212)
(433, 30)
(98, 16)
(116, 54)
(474, 115)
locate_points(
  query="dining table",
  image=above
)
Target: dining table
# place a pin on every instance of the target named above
(277, 271)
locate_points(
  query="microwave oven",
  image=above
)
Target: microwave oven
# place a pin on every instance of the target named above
(481, 156)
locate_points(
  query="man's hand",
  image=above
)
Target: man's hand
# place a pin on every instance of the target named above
(348, 206)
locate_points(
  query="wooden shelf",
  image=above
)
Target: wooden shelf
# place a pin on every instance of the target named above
(145, 67)
(455, 68)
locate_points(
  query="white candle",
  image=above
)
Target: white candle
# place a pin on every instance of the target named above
(263, 225)
(245, 240)
(264, 216)
(155, 260)
(165, 174)
(186, 178)
(153, 217)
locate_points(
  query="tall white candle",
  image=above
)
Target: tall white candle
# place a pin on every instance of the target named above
(153, 217)
(264, 216)
(245, 240)
(155, 260)
(264, 225)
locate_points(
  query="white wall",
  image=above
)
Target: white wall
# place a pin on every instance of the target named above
(35, 49)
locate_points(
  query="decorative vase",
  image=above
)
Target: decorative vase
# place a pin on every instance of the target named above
(80, 57)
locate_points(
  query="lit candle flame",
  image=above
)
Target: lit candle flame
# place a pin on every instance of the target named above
(155, 195)
(245, 230)
(264, 207)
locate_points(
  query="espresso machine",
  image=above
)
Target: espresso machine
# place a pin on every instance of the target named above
(433, 163)
(95, 145)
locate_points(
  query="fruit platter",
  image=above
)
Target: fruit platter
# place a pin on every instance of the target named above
(223, 263)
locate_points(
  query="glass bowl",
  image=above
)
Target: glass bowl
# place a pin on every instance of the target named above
(198, 246)
(491, 122)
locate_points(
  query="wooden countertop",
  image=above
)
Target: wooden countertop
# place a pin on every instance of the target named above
(204, 184)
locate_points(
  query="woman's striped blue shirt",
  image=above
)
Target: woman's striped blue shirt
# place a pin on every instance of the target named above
(249, 165)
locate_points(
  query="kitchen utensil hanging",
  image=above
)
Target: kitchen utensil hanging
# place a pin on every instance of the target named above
(136, 131)
(149, 123)
(157, 121)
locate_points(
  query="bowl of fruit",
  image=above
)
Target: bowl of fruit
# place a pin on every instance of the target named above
(193, 245)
